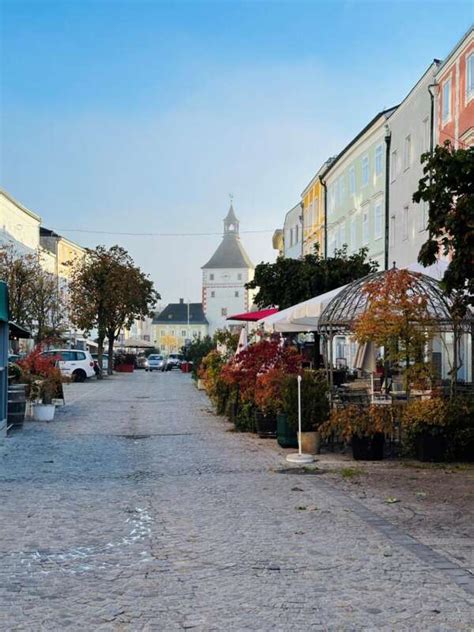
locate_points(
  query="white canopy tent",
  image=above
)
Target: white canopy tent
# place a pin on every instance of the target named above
(279, 322)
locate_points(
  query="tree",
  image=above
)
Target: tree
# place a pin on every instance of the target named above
(35, 301)
(448, 188)
(108, 292)
(290, 281)
(397, 318)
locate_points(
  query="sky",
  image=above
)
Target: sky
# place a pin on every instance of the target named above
(143, 116)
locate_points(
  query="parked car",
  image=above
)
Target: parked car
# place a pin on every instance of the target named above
(141, 362)
(173, 361)
(105, 360)
(73, 363)
(155, 362)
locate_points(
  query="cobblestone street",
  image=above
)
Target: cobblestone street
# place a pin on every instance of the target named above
(138, 509)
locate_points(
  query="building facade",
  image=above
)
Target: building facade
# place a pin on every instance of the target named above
(293, 233)
(355, 184)
(278, 242)
(177, 325)
(314, 212)
(455, 95)
(18, 225)
(411, 130)
(224, 277)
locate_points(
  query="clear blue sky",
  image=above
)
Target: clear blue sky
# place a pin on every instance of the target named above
(142, 116)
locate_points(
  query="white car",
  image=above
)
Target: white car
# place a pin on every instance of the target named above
(154, 362)
(73, 363)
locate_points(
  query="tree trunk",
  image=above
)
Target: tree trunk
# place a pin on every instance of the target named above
(110, 365)
(100, 355)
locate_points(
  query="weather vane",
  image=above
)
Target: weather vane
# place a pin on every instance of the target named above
(231, 196)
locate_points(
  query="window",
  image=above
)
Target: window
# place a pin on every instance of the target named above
(470, 77)
(183, 333)
(79, 355)
(426, 134)
(365, 226)
(67, 356)
(446, 106)
(407, 153)
(224, 311)
(422, 215)
(342, 234)
(211, 277)
(405, 223)
(236, 294)
(297, 237)
(394, 165)
(342, 187)
(378, 160)
(365, 171)
(291, 237)
(353, 233)
(378, 219)
(239, 276)
(213, 294)
(162, 332)
(352, 180)
(172, 332)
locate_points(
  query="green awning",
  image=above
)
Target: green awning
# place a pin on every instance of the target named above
(3, 302)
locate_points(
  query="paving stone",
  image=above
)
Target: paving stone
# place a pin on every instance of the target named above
(152, 516)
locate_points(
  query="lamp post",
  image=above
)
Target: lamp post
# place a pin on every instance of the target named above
(299, 458)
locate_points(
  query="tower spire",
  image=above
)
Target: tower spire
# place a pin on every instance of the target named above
(231, 223)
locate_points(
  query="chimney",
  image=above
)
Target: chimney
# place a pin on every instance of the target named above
(181, 301)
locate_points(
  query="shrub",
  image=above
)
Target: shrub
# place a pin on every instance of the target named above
(362, 421)
(314, 400)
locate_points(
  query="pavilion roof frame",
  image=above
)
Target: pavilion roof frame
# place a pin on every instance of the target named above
(340, 314)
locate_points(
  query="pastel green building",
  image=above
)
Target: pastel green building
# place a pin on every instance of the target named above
(355, 185)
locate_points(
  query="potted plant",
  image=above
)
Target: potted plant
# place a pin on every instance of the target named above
(424, 424)
(363, 426)
(269, 399)
(314, 407)
(43, 378)
(125, 363)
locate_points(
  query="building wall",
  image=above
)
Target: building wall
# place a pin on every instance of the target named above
(18, 225)
(293, 233)
(313, 216)
(224, 294)
(455, 96)
(410, 127)
(356, 195)
(67, 252)
(171, 337)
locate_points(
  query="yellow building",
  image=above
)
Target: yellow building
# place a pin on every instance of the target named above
(177, 325)
(313, 201)
(64, 250)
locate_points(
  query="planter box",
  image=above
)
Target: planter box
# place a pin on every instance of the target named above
(125, 368)
(286, 436)
(431, 447)
(43, 412)
(368, 448)
(266, 425)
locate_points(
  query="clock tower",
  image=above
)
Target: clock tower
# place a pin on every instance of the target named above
(224, 277)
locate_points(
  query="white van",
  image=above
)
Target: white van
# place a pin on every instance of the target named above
(73, 363)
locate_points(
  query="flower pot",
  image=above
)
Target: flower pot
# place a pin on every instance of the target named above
(286, 436)
(430, 447)
(16, 405)
(368, 448)
(266, 425)
(125, 368)
(200, 385)
(43, 412)
(311, 442)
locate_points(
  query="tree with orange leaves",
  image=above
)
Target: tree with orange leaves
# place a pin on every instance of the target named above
(397, 318)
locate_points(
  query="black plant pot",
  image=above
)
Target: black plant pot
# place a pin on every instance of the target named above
(431, 447)
(368, 448)
(266, 425)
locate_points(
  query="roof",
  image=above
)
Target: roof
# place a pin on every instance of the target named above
(177, 314)
(385, 113)
(229, 254)
(20, 206)
(254, 316)
(231, 216)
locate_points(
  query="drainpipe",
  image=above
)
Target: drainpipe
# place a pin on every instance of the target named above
(323, 184)
(432, 97)
(388, 141)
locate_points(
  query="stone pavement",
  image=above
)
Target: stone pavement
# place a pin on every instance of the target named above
(138, 509)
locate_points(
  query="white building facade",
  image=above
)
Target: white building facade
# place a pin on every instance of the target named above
(293, 233)
(411, 129)
(224, 277)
